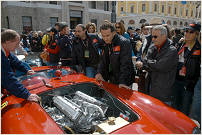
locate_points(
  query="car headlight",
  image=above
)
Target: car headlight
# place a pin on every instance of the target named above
(196, 130)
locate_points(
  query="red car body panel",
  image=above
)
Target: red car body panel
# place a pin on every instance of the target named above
(24, 117)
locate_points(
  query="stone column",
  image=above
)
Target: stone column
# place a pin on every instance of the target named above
(65, 12)
(85, 18)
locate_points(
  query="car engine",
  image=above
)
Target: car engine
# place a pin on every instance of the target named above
(86, 108)
(79, 114)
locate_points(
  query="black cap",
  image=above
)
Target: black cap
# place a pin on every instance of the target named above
(130, 28)
(194, 26)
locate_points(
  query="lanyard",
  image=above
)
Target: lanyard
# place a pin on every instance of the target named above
(182, 50)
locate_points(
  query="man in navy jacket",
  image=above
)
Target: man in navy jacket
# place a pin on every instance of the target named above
(10, 40)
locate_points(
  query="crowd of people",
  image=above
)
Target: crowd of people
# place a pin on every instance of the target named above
(167, 60)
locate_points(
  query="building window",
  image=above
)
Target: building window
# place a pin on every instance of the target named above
(132, 9)
(169, 10)
(106, 5)
(175, 11)
(142, 21)
(93, 4)
(187, 12)
(53, 2)
(7, 20)
(185, 24)
(27, 23)
(175, 23)
(121, 9)
(155, 7)
(196, 13)
(131, 22)
(181, 23)
(162, 8)
(76, 1)
(53, 20)
(143, 7)
(181, 11)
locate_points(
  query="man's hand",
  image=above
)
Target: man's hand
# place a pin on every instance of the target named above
(26, 54)
(139, 64)
(33, 97)
(124, 86)
(99, 77)
(30, 72)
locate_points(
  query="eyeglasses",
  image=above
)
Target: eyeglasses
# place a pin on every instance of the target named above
(191, 32)
(154, 36)
(117, 27)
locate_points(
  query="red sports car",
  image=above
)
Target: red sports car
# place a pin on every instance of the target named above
(73, 103)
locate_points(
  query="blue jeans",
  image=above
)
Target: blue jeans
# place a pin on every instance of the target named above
(90, 72)
(168, 103)
(196, 105)
(20, 73)
(178, 89)
(187, 100)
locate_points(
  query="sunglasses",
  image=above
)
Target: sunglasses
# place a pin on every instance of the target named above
(117, 27)
(154, 36)
(191, 32)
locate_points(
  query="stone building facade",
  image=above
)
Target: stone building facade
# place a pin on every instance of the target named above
(175, 13)
(24, 16)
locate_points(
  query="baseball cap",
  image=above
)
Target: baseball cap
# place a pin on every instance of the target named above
(194, 26)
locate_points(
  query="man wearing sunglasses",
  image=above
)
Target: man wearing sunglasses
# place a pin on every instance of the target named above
(188, 71)
(161, 64)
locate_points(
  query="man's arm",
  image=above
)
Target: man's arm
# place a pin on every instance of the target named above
(164, 64)
(18, 64)
(125, 62)
(10, 82)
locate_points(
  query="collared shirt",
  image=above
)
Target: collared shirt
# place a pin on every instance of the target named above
(159, 47)
(7, 53)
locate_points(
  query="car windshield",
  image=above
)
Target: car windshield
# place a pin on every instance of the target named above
(41, 75)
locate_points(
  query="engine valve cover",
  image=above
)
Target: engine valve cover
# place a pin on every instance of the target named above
(69, 108)
(85, 97)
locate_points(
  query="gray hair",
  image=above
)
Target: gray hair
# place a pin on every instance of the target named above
(161, 28)
(9, 35)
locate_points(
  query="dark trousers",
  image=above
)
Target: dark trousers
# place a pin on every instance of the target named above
(178, 90)
(183, 97)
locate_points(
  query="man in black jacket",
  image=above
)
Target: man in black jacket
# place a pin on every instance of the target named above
(65, 45)
(188, 70)
(116, 61)
(161, 63)
(85, 51)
